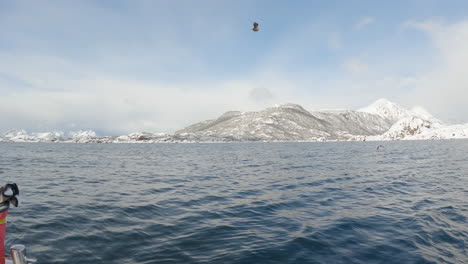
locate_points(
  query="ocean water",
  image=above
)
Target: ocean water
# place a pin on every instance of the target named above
(343, 202)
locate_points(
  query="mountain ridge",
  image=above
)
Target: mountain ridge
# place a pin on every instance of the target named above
(381, 120)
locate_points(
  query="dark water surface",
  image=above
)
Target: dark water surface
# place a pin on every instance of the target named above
(240, 203)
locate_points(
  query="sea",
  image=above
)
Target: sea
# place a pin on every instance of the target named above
(324, 202)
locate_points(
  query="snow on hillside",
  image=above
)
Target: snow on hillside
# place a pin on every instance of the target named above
(406, 127)
(23, 136)
(18, 136)
(82, 136)
(416, 128)
(414, 124)
(290, 122)
(382, 120)
(387, 110)
(394, 112)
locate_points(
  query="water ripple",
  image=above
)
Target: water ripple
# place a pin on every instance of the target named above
(240, 203)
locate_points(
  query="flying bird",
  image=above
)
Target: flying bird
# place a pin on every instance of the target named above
(255, 27)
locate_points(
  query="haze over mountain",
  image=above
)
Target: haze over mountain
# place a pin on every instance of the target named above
(382, 120)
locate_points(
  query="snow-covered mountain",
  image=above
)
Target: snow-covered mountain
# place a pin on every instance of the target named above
(417, 128)
(382, 120)
(73, 136)
(387, 110)
(394, 112)
(290, 122)
(413, 124)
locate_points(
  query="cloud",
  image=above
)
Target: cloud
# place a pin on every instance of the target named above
(363, 22)
(44, 93)
(261, 95)
(432, 75)
(147, 75)
(427, 26)
(355, 66)
(334, 41)
(445, 87)
(120, 106)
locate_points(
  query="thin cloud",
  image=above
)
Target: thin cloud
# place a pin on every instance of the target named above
(261, 95)
(428, 26)
(355, 66)
(334, 41)
(444, 88)
(363, 22)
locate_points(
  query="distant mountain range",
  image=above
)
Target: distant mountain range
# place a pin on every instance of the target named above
(382, 120)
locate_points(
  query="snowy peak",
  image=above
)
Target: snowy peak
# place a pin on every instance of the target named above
(382, 120)
(387, 110)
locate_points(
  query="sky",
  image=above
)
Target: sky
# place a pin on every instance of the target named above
(118, 67)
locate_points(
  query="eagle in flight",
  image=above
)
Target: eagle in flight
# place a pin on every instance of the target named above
(255, 27)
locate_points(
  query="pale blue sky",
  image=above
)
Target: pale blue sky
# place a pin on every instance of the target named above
(123, 66)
